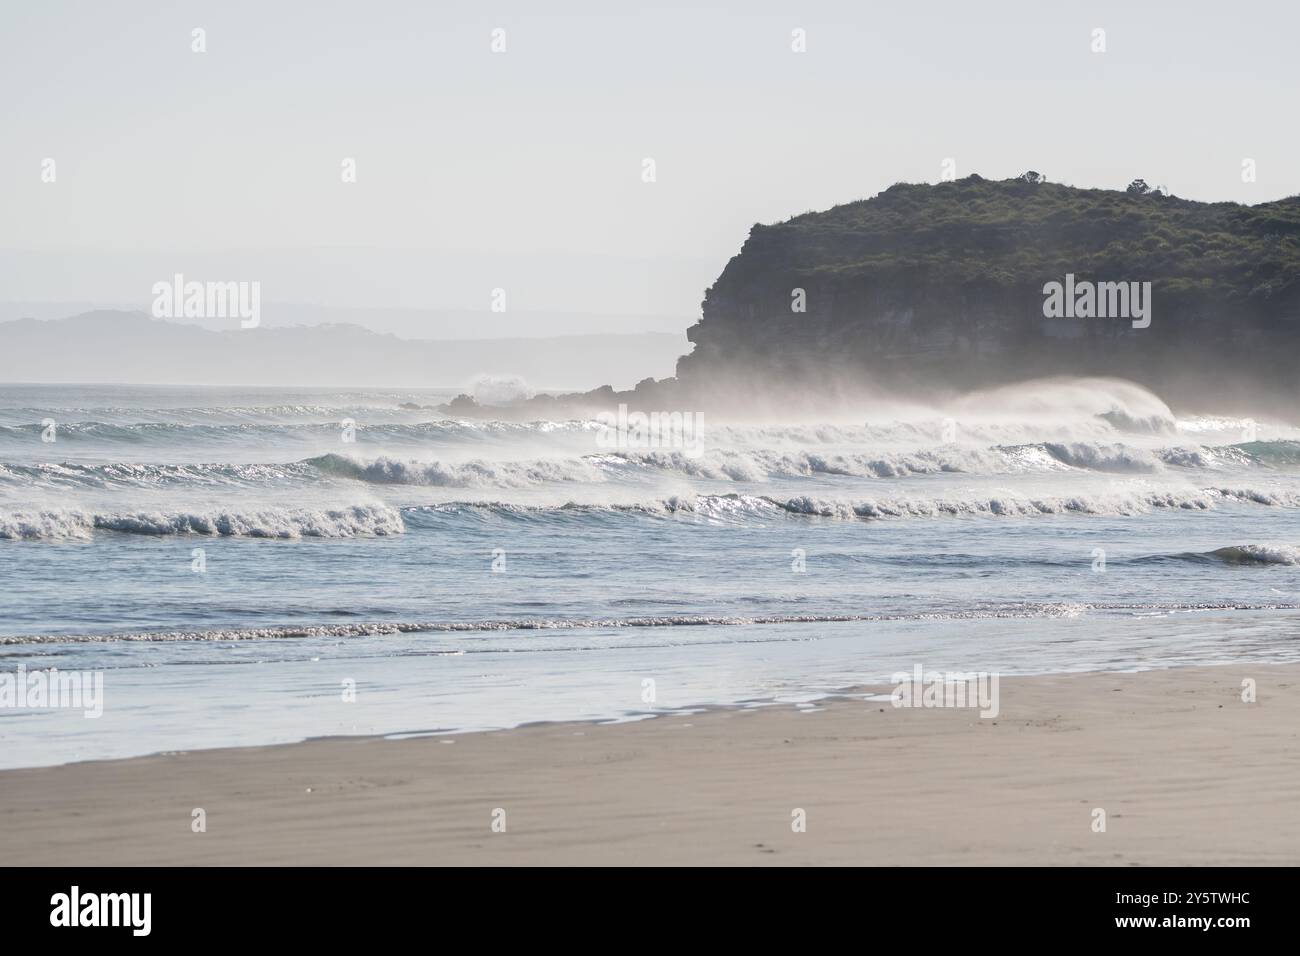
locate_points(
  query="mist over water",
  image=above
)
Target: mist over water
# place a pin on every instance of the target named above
(1047, 526)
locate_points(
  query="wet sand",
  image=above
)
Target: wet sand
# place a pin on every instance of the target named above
(1186, 772)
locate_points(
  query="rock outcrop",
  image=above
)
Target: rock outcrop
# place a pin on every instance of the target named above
(927, 287)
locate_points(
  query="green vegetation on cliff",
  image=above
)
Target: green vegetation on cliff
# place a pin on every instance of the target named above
(1018, 232)
(943, 285)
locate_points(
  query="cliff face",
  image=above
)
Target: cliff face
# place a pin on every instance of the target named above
(926, 287)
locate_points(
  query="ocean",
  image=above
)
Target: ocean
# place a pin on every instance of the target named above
(252, 566)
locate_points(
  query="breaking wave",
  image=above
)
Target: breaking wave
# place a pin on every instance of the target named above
(754, 465)
(472, 474)
(995, 611)
(763, 464)
(1257, 554)
(225, 433)
(139, 475)
(380, 520)
(1004, 505)
(739, 506)
(285, 523)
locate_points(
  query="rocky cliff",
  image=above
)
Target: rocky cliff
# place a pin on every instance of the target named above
(927, 287)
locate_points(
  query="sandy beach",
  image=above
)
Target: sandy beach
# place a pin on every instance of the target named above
(1186, 772)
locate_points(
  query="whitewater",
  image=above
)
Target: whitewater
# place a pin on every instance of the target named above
(231, 557)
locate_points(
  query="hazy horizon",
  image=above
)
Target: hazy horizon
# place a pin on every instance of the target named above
(227, 164)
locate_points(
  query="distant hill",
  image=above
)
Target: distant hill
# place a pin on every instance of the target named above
(132, 347)
(459, 324)
(942, 286)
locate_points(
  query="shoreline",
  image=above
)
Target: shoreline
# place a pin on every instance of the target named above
(1186, 772)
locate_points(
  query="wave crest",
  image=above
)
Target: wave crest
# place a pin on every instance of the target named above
(1257, 554)
(471, 474)
(286, 523)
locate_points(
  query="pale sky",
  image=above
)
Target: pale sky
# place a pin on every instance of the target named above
(523, 169)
